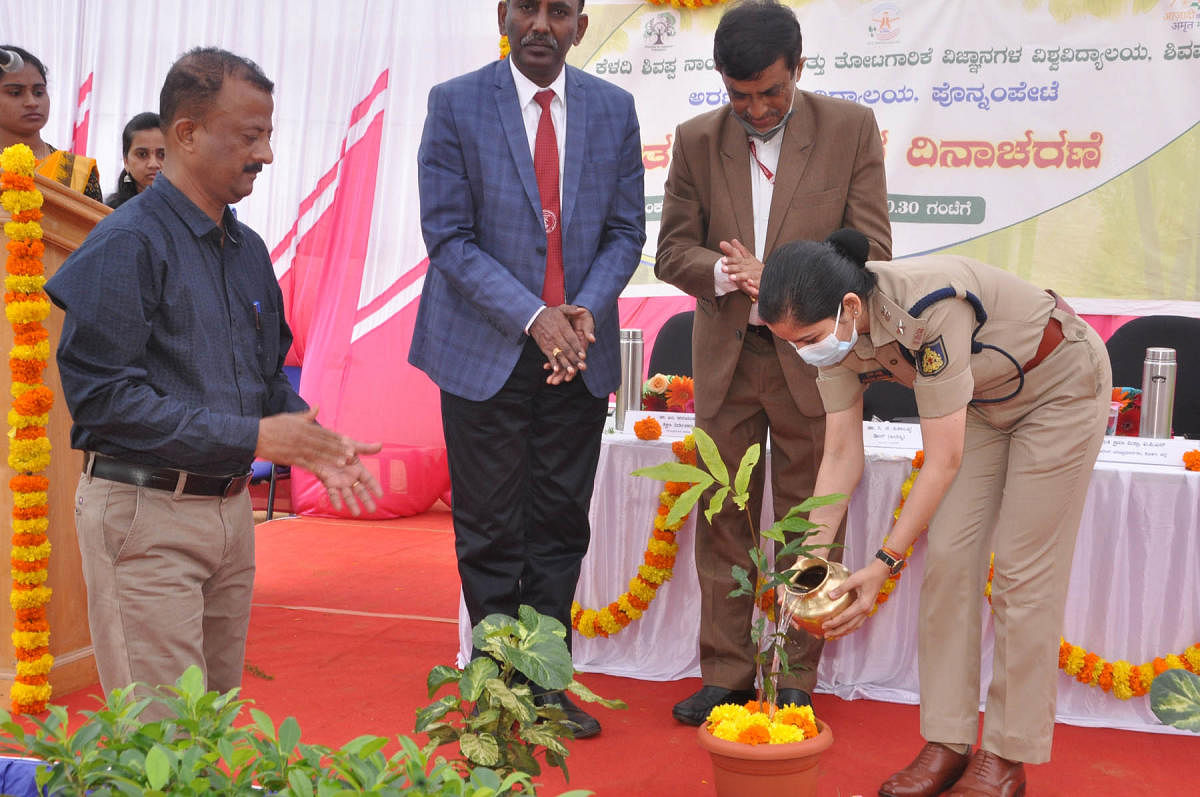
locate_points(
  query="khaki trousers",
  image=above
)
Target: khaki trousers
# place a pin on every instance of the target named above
(758, 400)
(169, 582)
(1020, 493)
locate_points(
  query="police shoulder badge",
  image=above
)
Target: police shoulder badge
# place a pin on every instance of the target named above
(931, 358)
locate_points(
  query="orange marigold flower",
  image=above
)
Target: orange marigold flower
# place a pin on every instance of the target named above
(11, 181)
(29, 371)
(677, 488)
(1160, 665)
(1105, 681)
(31, 512)
(30, 247)
(767, 600)
(811, 731)
(637, 602)
(28, 484)
(754, 707)
(30, 433)
(34, 402)
(1089, 666)
(33, 214)
(647, 429)
(918, 459)
(29, 567)
(754, 734)
(680, 392)
(31, 654)
(28, 539)
(1191, 459)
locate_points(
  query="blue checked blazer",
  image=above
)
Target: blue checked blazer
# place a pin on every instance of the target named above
(481, 217)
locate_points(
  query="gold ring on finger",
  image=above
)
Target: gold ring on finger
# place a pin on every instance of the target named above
(557, 351)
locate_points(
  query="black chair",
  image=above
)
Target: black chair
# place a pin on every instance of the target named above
(889, 401)
(1127, 350)
(263, 471)
(672, 352)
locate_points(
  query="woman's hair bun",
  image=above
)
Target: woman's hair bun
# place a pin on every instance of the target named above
(850, 244)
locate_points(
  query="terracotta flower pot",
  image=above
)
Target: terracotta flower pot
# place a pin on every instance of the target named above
(755, 770)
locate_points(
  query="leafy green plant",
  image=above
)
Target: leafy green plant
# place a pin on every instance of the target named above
(789, 533)
(497, 721)
(1175, 699)
(197, 749)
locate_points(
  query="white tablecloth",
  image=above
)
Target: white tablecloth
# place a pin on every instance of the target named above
(1134, 595)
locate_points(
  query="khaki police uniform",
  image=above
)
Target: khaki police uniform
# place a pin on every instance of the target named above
(1026, 466)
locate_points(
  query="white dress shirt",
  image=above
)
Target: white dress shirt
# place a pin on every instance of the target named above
(762, 189)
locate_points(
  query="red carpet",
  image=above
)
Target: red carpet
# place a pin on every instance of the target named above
(350, 616)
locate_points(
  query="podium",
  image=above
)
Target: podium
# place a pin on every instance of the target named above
(68, 216)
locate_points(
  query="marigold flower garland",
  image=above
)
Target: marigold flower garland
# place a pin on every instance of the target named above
(1120, 678)
(26, 306)
(658, 563)
(751, 724)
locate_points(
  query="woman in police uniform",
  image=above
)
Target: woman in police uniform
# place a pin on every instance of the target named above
(1013, 393)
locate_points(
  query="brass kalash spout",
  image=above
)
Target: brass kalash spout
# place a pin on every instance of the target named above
(805, 599)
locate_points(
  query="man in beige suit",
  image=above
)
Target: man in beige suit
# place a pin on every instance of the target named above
(774, 165)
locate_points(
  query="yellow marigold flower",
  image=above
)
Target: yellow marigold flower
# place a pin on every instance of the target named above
(641, 590)
(587, 620)
(22, 283)
(791, 714)
(29, 500)
(666, 499)
(26, 312)
(30, 639)
(18, 201)
(1174, 662)
(1192, 656)
(505, 47)
(606, 621)
(38, 351)
(29, 598)
(654, 575)
(20, 421)
(662, 547)
(785, 734)
(1121, 688)
(19, 388)
(37, 525)
(31, 553)
(30, 694)
(18, 159)
(22, 230)
(726, 712)
(727, 730)
(39, 666)
(1075, 660)
(29, 576)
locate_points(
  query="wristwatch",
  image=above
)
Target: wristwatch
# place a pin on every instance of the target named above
(894, 565)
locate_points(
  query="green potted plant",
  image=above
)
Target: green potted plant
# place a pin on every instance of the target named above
(496, 721)
(197, 749)
(1175, 699)
(755, 749)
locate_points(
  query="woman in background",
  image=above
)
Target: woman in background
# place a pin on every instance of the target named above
(143, 149)
(24, 110)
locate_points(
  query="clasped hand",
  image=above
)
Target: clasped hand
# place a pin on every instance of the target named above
(294, 438)
(743, 268)
(563, 333)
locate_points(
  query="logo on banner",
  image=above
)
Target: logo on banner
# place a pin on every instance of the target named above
(1182, 15)
(551, 220)
(659, 30)
(885, 23)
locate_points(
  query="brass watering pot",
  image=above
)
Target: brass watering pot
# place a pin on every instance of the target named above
(806, 596)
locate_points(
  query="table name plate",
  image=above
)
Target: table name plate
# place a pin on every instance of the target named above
(1146, 450)
(675, 425)
(887, 434)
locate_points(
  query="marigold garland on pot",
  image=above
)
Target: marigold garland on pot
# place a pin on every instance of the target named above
(658, 563)
(26, 307)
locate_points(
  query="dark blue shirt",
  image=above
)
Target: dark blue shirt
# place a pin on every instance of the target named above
(173, 345)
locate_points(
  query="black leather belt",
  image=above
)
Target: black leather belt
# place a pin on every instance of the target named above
(762, 330)
(164, 478)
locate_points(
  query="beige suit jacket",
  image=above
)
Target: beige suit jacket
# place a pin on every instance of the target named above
(830, 175)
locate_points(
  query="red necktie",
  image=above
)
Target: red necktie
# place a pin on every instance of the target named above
(545, 165)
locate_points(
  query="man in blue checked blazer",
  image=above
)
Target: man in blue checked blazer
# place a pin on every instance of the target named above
(532, 209)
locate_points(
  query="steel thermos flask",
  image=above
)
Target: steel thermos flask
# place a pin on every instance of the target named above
(629, 392)
(1158, 392)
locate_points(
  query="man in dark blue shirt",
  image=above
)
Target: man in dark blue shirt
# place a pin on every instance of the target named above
(171, 362)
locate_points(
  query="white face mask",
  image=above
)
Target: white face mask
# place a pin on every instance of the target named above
(829, 350)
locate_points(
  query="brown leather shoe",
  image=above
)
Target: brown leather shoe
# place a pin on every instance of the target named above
(933, 771)
(989, 775)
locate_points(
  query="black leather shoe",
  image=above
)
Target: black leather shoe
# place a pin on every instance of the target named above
(583, 725)
(695, 709)
(797, 696)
